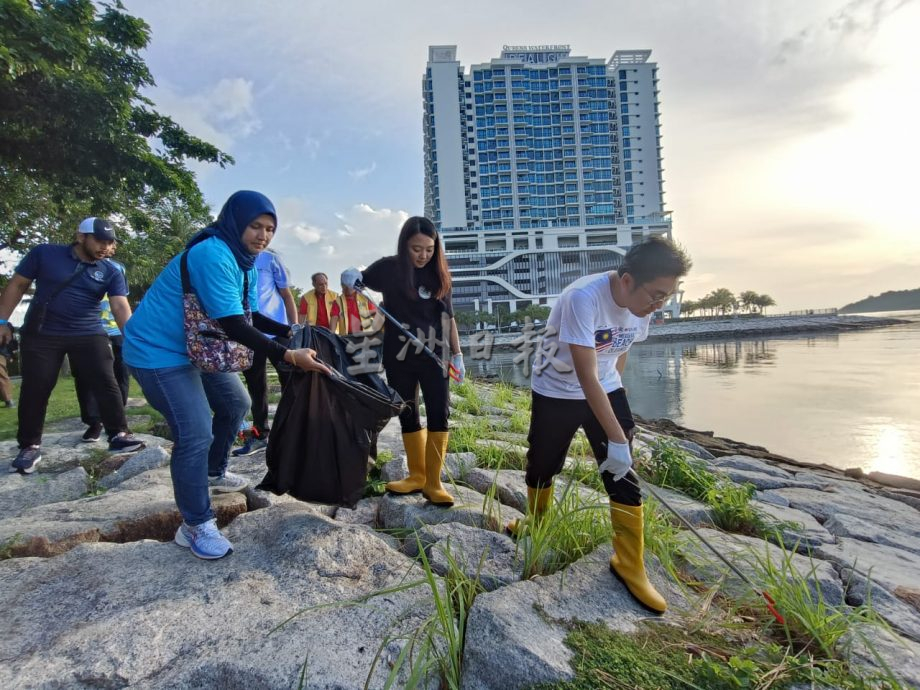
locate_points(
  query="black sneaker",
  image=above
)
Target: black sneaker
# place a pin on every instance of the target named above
(92, 433)
(26, 460)
(251, 447)
(125, 443)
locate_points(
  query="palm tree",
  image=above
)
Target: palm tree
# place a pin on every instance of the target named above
(748, 300)
(764, 301)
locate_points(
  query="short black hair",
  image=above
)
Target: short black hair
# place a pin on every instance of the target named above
(655, 257)
(317, 275)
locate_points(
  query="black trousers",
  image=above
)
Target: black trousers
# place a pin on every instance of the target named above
(257, 382)
(89, 408)
(406, 377)
(42, 356)
(553, 423)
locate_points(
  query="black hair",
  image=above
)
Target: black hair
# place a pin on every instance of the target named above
(437, 266)
(655, 257)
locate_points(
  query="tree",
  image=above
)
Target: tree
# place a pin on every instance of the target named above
(689, 306)
(764, 301)
(537, 312)
(723, 299)
(466, 320)
(158, 230)
(77, 137)
(502, 314)
(748, 300)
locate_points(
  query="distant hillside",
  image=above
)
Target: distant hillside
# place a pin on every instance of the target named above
(896, 300)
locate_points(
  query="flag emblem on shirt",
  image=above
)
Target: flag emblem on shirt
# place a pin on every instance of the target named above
(603, 339)
(617, 339)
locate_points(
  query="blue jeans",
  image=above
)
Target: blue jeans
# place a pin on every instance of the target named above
(186, 397)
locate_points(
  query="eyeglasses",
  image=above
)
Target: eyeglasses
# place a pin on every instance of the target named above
(657, 300)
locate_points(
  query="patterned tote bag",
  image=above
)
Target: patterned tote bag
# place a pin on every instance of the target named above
(208, 346)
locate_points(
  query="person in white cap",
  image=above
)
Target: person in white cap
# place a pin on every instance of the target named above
(63, 319)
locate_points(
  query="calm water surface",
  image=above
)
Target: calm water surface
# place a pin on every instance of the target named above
(847, 400)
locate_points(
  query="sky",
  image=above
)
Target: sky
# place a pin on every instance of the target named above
(789, 149)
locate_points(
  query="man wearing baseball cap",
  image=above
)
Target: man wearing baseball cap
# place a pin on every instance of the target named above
(63, 319)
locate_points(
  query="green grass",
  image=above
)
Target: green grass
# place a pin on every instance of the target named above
(572, 527)
(92, 463)
(667, 657)
(672, 467)
(374, 485)
(63, 405)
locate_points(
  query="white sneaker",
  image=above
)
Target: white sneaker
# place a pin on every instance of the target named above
(228, 483)
(205, 540)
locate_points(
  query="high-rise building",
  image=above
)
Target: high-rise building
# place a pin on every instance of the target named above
(540, 167)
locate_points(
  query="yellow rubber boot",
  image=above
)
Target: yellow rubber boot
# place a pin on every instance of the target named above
(538, 501)
(415, 458)
(435, 450)
(627, 562)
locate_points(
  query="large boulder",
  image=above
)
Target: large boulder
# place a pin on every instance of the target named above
(693, 511)
(65, 450)
(878, 510)
(149, 614)
(864, 645)
(511, 489)
(844, 525)
(764, 481)
(366, 513)
(20, 492)
(751, 555)
(885, 565)
(515, 635)
(140, 462)
(898, 613)
(480, 554)
(142, 507)
(797, 529)
(470, 508)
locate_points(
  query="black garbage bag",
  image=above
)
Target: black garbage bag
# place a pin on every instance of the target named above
(325, 426)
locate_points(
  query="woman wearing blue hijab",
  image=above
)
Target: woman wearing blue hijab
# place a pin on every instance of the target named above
(204, 410)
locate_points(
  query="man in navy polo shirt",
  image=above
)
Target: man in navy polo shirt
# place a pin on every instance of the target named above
(63, 319)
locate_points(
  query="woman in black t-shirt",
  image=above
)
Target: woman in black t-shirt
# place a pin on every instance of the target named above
(416, 291)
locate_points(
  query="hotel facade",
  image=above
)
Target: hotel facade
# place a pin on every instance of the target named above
(540, 167)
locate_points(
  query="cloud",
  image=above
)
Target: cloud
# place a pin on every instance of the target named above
(356, 236)
(222, 114)
(307, 234)
(361, 173)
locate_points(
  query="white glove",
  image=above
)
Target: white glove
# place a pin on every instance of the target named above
(351, 277)
(618, 461)
(456, 361)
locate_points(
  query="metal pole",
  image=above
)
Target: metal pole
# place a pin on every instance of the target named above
(452, 371)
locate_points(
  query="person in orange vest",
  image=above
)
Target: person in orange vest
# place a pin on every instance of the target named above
(316, 306)
(360, 313)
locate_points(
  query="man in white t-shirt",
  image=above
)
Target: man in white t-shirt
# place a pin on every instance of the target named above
(577, 382)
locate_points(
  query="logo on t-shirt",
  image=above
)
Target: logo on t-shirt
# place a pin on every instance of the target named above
(98, 276)
(615, 339)
(424, 292)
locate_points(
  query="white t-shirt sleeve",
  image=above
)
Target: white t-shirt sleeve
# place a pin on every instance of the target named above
(576, 326)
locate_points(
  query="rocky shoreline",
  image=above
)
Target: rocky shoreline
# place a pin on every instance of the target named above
(95, 594)
(734, 328)
(774, 325)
